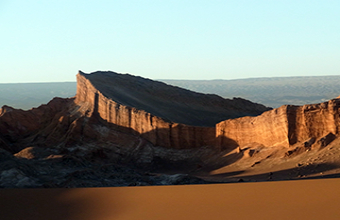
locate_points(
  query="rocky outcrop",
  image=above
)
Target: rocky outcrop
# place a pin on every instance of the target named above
(119, 122)
(19, 127)
(164, 115)
(285, 126)
(171, 117)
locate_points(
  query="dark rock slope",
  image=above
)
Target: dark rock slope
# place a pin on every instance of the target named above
(168, 102)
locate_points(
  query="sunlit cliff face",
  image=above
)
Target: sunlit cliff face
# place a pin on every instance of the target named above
(285, 126)
(164, 115)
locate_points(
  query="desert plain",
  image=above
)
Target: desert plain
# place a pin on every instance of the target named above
(303, 199)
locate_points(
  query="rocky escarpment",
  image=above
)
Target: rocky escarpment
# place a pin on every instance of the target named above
(95, 139)
(284, 126)
(171, 117)
(60, 145)
(164, 115)
(124, 130)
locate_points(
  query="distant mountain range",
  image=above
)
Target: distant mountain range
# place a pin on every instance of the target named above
(272, 92)
(28, 95)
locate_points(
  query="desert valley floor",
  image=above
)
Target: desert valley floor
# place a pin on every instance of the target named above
(303, 199)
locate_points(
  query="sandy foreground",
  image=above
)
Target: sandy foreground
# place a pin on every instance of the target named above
(302, 199)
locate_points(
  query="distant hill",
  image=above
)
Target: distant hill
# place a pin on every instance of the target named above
(273, 92)
(28, 95)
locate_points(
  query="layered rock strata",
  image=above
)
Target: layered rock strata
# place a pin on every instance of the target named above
(285, 126)
(105, 96)
(171, 117)
(166, 116)
(115, 124)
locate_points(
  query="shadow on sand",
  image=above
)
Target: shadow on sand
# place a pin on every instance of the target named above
(56, 204)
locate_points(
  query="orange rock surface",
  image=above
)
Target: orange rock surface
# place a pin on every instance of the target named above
(157, 112)
(181, 122)
(287, 125)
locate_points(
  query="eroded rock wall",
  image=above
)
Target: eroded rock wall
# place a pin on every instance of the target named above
(284, 126)
(269, 128)
(156, 130)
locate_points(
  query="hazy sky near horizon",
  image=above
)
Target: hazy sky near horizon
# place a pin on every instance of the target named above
(49, 41)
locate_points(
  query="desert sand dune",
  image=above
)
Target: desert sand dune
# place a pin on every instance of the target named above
(304, 199)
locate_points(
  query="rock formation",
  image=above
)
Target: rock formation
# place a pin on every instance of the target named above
(119, 124)
(172, 117)
(166, 116)
(19, 127)
(284, 126)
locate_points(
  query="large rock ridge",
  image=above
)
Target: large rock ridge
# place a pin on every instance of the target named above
(167, 116)
(110, 96)
(155, 129)
(118, 122)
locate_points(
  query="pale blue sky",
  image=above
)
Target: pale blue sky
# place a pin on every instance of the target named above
(49, 40)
